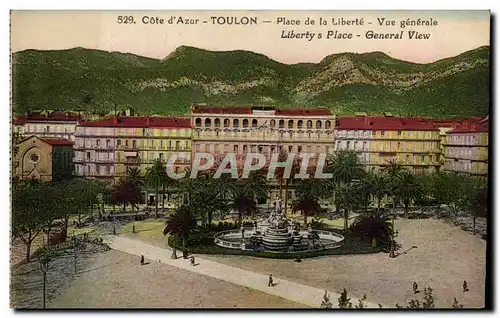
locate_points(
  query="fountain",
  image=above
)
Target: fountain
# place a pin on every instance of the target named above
(277, 234)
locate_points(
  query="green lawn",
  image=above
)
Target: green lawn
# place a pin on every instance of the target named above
(147, 230)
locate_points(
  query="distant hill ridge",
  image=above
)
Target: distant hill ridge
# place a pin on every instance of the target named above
(94, 81)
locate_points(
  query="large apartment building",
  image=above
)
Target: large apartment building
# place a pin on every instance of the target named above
(466, 148)
(106, 148)
(412, 142)
(242, 130)
(45, 125)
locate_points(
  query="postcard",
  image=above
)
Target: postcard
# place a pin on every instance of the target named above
(250, 159)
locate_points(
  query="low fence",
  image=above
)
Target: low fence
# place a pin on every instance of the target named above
(336, 239)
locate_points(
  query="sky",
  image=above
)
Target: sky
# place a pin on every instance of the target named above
(456, 32)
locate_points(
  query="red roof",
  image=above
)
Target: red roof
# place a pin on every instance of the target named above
(303, 112)
(54, 116)
(475, 127)
(384, 123)
(222, 110)
(58, 141)
(456, 122)
(140, 122)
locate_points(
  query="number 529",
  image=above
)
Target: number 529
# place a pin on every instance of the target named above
(125, 19)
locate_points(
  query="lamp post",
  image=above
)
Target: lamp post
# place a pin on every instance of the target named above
(44, 266)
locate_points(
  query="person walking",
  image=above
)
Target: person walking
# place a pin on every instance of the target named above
(192, 260)
(270, 283)
(465, 287)
(142, 259)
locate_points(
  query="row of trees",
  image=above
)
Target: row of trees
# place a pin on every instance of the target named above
(352, 188)
(36, 205)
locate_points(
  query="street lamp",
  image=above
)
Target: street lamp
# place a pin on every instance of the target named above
(44, 267)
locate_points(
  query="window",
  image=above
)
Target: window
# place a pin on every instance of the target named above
(88, 155)
(226, 122)
(290, 124)
(126, 142)
(364, 145)
(282, 124)
(48, 128)
(108, 143)
(254, 123)
(244, 148)
(118, 142)
(309, 124)
(260, 148)
(328, 124)
(97, 141)
(217, 122)
(273, 123)
(144, 131)
(299, 148)
(161, 156)
(134, 143)
(161, 144)
(235, 148)
(290, 148)
(208, 122)
(216, 147)
(198, 122)
(236, 123)
(382, 133)
(399, 133)
(108, 170)
(177, 145)
(245, 123)
(399, 145)
(318, 124)
(300, 124)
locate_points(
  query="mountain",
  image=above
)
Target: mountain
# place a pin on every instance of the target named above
(94, 81)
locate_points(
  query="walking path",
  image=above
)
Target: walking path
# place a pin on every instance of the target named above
(303, 294)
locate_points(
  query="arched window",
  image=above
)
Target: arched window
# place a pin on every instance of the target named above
(254, 123)
(300, 124)
(318, 124)
(198, 122)
(309, 124)
(273, 123)
(226, 122)
(290, 124)
(217, 122)
(236, 123)
(282, 124)
(328, 124)
(208, 122)
(245, 123)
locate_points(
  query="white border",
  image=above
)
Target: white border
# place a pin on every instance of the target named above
(185, 4)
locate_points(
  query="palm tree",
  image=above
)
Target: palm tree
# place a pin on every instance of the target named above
(255, 186)
(308, 192)
(346, 199)
(380, 187)
(376, 226)
(365, 189)
(407, 188)
(243, 203)
(125, 192)
(156, 176)
(181, 224)
(134, 175)
(346, 168)
(393, 168)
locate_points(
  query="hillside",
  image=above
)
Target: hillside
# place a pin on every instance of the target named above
(94, 81)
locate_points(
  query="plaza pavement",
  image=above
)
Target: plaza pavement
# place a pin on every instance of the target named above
(303, 294)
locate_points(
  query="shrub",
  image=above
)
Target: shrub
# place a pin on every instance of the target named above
(374, 226)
